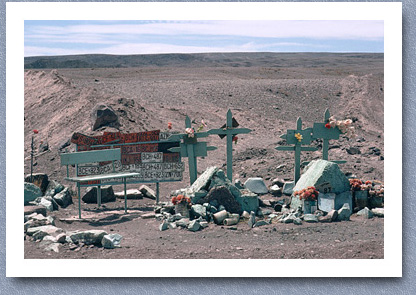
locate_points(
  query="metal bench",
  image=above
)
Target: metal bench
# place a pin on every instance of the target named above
(94, 157)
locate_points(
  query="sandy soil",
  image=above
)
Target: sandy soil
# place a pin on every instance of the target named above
(266, 100)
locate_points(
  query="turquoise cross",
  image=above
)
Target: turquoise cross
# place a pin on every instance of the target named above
(229, 130)
(191, 148)
(320, 131)
(297, 137)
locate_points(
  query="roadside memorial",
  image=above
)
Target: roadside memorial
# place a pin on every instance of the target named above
(142, 154)
(326, 132)
(298, 138)
(190, 147)
(230, 131)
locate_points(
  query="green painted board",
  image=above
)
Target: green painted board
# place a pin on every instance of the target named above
(306, 136)
(292, 148)
(320, 131)
(90, 157)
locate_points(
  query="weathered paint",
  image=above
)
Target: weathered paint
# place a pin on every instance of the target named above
(229, 130)
(297, 148)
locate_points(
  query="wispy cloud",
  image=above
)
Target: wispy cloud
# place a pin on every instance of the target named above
(128, 37)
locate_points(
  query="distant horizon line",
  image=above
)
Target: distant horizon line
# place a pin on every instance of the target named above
(214, 52)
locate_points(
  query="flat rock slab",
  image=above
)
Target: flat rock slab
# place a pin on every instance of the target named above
(89, 237)
(248, 201)
(256, 185)
(34, 209)
(132, 194)
(310, 218)
(147, 192)
(331, 201)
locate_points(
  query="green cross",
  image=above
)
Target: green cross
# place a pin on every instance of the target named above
(320, 131)
(191, 148)
(291, 139)
(229, 130)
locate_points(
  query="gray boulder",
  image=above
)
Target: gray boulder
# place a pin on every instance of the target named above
(39, 179)
(194, 225)
(89, 237)
(248, 201)
(63, 198)
(42, 231)
(288, 188)
(53, 188)
(256, 185)
(107, 195)
(379, 212)
(104, 115)
(345, 212)
(310, 218)
(131, 194)
(31, 192)
(147, 192)
(111, 241)
(197, 211)
(322, 171)
(366, 213)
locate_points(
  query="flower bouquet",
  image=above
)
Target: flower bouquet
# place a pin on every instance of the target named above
(182, 205)
(345, 126)
(309, 196)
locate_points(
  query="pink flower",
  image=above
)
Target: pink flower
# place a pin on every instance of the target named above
(169, 125)
(190, 132)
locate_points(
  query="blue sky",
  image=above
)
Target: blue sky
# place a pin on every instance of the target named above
(150, 37)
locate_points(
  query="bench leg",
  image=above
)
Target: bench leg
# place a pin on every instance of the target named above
(99, 196)
(125, 196)
(79, 200)
(157, 192)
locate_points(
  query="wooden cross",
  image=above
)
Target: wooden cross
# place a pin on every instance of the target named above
(191, 148)
(320, 131)
(229, 130)
(297, 137)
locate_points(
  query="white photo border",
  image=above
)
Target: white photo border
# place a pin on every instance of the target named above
(390, 13)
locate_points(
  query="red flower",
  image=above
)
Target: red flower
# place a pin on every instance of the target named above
(35, 131)
(235, 139)
(169, 125)
(327, 125)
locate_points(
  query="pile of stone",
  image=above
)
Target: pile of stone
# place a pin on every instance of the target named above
(46, 193)
(42, 229)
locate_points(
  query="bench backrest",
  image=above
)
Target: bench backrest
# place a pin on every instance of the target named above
(90, 157)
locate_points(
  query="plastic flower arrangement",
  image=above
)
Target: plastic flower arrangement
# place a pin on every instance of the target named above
(367, 185)
(181, 199)
(345, 126)
(235, 139)
(299, 137)
(355, 184)
(202, 126)
(307, 194)
(190, 132)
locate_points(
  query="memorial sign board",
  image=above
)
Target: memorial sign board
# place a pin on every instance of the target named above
(141, 152)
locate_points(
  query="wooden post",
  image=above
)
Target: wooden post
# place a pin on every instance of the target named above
(191, 148)
(157, 192)
(298, 138)
(125, 195)
(79, 199)
(229, 130)
(326, 134)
